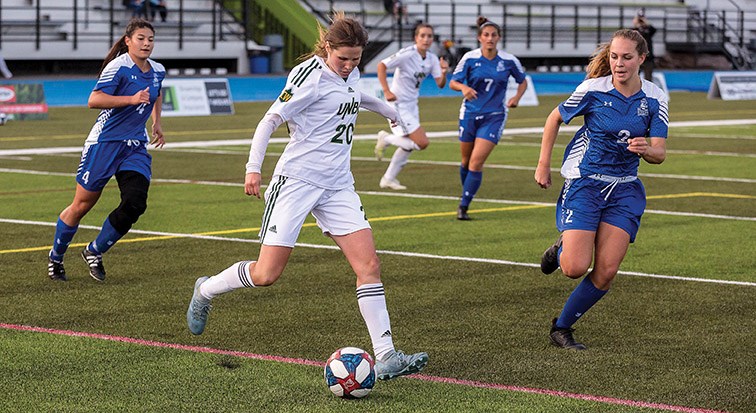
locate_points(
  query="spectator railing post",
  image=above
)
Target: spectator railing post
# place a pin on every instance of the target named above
(453, 22)
(214, 30)
(575, 26)
(505, 28)
(528, 25)
(181, 24)
(598, 25)
(76, 24)
(37, 25)
(112, 21)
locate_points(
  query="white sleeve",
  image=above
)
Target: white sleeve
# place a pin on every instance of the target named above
(269, 123)
(378, 106)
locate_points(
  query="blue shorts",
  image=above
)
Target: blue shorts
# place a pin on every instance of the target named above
(100, 161)
(586, 202)
(488, 126)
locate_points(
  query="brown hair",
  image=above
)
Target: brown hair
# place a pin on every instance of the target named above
(343, 32)
(483, 22)
(599, 64)
(120, 47)
(422, 26)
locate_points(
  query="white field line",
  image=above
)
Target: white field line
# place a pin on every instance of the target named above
(396, 194)
(228, 142)
(387, 252)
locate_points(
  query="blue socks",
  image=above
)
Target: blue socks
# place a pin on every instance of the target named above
(470, 187)
(463, 174)
(63, 236)
(581, 300)
(107, 237)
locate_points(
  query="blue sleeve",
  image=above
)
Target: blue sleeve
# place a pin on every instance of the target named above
(577, 104)
(659, 120)
(460, 73)
(109, 79)
(517, 72)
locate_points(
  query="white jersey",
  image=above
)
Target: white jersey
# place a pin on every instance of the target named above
(410, 69)
(321, 109)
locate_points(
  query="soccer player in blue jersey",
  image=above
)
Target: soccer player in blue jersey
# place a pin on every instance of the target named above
(599, 209)
(127, 92)
(482, 76)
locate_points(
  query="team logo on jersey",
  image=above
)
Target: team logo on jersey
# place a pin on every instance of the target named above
(500, 67)
(348, 108)
(285, 96)
(155, 80)
(643, 108)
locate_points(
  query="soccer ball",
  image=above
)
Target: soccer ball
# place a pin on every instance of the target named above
(3, 118)
(350, 373)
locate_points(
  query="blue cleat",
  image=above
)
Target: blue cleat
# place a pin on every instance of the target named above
(199, 307)
(396, 364)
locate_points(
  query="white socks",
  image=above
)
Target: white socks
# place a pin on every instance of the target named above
(401, 142)
(400, 158)
(233, 277)
(372, 302)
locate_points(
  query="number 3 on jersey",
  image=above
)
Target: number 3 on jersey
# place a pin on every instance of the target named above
(344, 132)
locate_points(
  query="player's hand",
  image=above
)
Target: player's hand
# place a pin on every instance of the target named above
(389, 95)
(638, 145)
(157, 135)
(252, 184)
(469, 93)
(444, 65)
(543, 176)
(143, 96)
(513, 102)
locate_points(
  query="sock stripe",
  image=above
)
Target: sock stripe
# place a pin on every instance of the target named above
(243, 274)
(364, 292)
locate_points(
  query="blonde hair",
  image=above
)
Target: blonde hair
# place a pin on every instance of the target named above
(343, 32)
(599, 63)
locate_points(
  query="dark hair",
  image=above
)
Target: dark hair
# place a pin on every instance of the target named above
(422, 26)
(599, 64)
(483, 22)
(343, 32)
(120, 46)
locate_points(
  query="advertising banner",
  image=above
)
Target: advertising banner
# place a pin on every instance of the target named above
(23, 101)
(197, 97)
(733, 86)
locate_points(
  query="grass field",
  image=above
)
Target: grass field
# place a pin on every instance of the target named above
(676, 332)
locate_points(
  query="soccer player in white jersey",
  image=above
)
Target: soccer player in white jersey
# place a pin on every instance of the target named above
(127, 93)
(411, 66)
(600, 207)
(320, 103)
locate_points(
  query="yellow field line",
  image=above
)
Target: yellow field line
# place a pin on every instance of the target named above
(380, 219)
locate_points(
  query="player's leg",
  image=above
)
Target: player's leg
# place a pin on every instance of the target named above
(65, 229)
(343, 218)
(474, 177)
(288, 201)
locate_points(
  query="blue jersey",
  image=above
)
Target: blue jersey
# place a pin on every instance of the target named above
(610, 119)
(489, 78)
(122, 77)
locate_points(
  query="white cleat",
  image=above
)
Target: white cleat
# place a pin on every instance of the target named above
(380, 144)
(392, 184)
(396, 364)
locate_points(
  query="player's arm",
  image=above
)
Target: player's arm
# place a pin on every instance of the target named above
(383, 80)
(550, 132)
(378, 106)
(515, 100)
(157, 129)
(653, 152)
(101, 100)
(441, 80)
(269, 123)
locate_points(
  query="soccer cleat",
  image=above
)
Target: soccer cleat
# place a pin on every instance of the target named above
(462, 213)
(549, 259)
(199, 307)
(562, 337)
(94, 261)
(396, 364)
(380, 144)
(55, 270)
(391, 184)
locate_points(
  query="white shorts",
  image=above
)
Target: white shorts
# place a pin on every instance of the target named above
(409, 113)
(289, 200)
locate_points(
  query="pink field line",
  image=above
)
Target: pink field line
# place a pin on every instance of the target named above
(435, 379)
